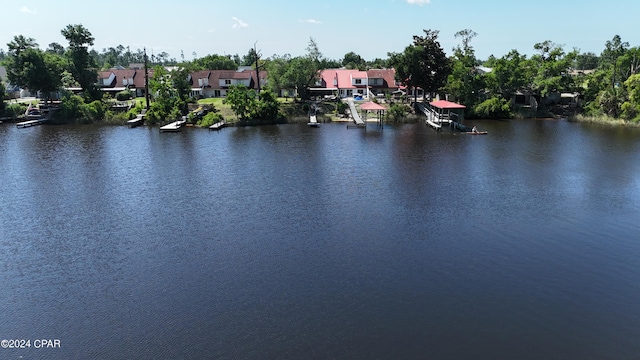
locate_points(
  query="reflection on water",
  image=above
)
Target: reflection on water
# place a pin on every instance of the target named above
(295, 242)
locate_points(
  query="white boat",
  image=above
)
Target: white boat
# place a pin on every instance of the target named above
(32, 113)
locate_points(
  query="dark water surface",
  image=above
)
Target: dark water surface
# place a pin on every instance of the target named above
(288, 242)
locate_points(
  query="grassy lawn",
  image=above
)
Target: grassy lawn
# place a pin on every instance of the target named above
(223, 109)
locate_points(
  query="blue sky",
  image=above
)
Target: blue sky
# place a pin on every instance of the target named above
(369, 28)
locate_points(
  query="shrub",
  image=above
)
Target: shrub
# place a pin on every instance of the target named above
(71, 107)
(493, 108)
(116, 117)
(630, 111)
(397, 112)
(15, 109)
(209, 119)
(124, 95)
(341, 107)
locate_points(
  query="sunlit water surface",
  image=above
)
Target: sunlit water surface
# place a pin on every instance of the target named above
(289, 242)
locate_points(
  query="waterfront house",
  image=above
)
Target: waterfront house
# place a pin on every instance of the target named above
(354, 83)
(216, 83)
(115, 80)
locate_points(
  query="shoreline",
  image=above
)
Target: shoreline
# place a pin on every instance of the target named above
(602, 120)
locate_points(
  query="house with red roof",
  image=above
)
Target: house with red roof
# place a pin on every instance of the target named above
(114, 80)
(352, 83)
(216, 83)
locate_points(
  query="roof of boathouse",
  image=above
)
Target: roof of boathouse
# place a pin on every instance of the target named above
(372, 106)
(444, 104)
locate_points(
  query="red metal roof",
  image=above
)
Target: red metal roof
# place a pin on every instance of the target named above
(444, 104)
(372, 106)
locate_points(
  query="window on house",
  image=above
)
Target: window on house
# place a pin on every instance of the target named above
(227, 82)
(358, 81)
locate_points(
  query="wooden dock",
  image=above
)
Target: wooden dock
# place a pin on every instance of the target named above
(359, 123)
(438, 127)
(217, 126)
(30, 123)
(174, 126)
(313, 121)
(139, 120)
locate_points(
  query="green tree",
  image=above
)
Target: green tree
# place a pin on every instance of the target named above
(267, 107)
(20, 44)
(510, 73)
(434, 67)
(214, 62)
(553, 67)
(3, 95)
(465, 82)
(628, 63)
(241, 99)
(631, 108)
(82, 65)
(55, 48)
(298, 73)
(593, 85)
(611, 101)
(33, 69)
(352, 60)
(180, 83)
(276, 69)
(614, 49)
(250, 58)
(378, 63)
(164, 97)
(422, 64)
(586, 61)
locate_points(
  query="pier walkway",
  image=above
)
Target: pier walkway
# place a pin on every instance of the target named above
(313, 121)
(30, 123)
(174, 126)
(217, 126)
(139, 120)
(354, 114)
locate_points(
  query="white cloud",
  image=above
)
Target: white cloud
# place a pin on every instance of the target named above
(418, 2)
(26, 10)
(238, 23)
(311, 21)
(211, 31)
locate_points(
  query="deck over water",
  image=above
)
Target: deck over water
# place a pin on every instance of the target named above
(174, 126)
(313, 121)
(217, 126)
(30, 123)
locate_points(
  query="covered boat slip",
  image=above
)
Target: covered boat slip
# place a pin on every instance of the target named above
(443, 112)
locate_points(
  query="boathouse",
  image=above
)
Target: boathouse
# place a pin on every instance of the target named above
(448, 110)
(375, 108)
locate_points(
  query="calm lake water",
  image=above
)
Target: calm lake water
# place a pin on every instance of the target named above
(289, 242)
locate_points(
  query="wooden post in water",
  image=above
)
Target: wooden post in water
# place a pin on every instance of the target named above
(146, 79)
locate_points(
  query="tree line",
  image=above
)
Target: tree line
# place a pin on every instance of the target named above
(611, 87)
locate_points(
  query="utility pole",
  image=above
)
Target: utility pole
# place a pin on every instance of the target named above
(146, 79)
(257, 66)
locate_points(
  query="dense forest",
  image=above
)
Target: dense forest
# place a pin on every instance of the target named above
(605, 85)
